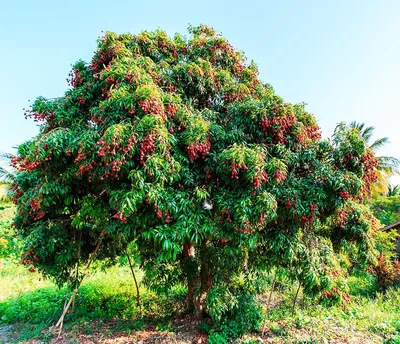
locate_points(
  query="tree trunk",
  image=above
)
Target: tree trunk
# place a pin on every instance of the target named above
(206, 282)
(188, 252)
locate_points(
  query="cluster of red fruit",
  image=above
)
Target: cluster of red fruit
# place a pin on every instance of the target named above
(198, 149)
(110, 81)
(313, 132)
(219, 51)
(277, 127)
(235, 172)
(146, 147)
(83, 169)
(342, 218)
(168, 50)
(307, 219)
(38, 117)
(156, 47)
(102, 58)
(114, 155)
(289, 204)
(24, 164)
(151, 106)
(231, 97)
(80, 157)
(171, 110)
(35, 212)
(246, 228)
(29, 258)
(81, 100)
(75, 78)
(262, 219)
(97, 119)
(312, 216)
(169, 87)
(279, 176)
(369, 163)
(260, 178)
(225, 216)
(308, 133)
(344, 194)
(120, 217)
(162, 214)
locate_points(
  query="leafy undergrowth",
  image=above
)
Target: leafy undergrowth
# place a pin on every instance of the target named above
(7, 210)
(106, 312)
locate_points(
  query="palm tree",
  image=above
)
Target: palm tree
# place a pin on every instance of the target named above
(7, 172)
(387, 165)
(393, 190)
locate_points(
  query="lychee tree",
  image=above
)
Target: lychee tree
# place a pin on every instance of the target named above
(175, 145)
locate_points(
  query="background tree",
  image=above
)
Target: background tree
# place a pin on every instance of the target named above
(393, 190)
(387, 209)
(387, 165)
(176, 145)
(7, 174)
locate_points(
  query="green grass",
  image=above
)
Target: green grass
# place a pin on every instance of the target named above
(371, 317)
(28, 301)
(31, 305)
(7, 210)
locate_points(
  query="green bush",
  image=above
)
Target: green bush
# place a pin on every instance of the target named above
(234, 313)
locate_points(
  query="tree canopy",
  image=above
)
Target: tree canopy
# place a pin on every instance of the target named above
(175, 145)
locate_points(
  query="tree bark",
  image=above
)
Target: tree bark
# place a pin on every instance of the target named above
(206, 281)
(188, 253)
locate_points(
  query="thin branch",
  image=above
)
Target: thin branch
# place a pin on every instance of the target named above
(136, 284)
(268, 303)
(295, 298)
(72, 298)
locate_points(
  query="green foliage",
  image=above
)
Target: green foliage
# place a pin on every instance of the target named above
(10, 245)
(387, 209)
(175, 145)
(241, 316)
(386, 243)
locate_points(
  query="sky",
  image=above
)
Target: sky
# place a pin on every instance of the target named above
(340, 57)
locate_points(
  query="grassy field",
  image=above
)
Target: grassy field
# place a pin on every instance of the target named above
(106, 312)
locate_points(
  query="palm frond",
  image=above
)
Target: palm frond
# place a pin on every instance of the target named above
(4, 155)
(338, 132)
(365, 132)
(379, 143)
(393, 190)
(7, 172)
(389, 164)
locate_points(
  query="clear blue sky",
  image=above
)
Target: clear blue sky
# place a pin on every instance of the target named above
(340, 57)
